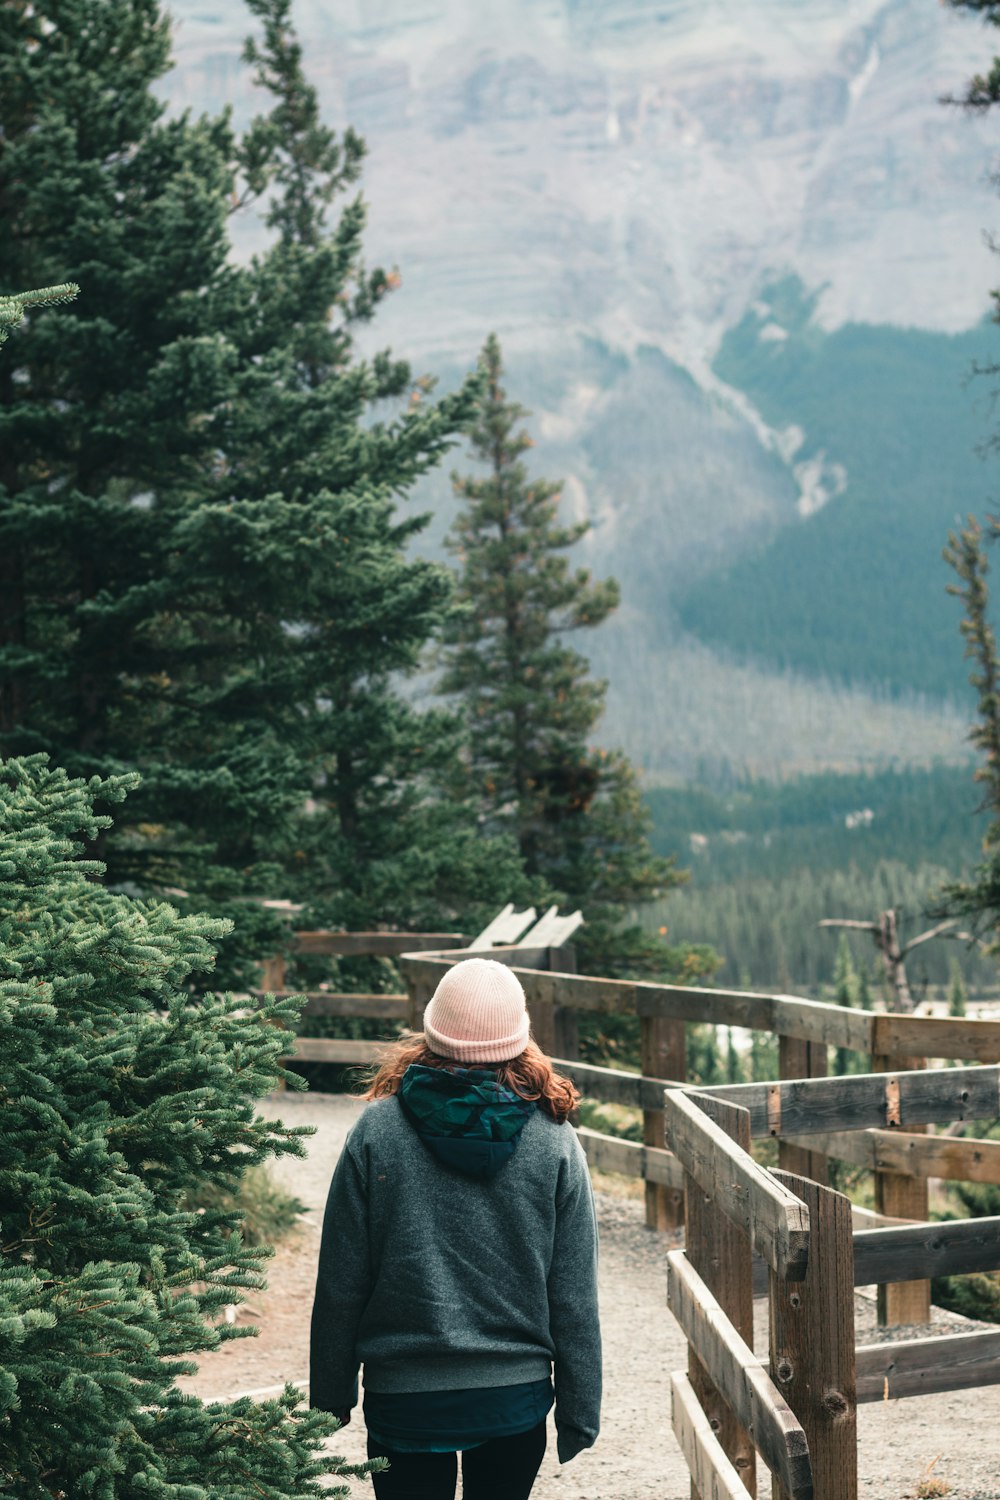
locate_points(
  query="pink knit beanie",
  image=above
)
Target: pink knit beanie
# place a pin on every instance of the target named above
(477, 1013)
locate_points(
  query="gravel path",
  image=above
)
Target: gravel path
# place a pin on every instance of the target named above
(636, 1457)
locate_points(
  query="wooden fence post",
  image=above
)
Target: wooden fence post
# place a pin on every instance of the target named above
(902, 1197)
(720, 1253)
(565, 1020)
(663, 1054)
(812, 1342)
(797, 1059)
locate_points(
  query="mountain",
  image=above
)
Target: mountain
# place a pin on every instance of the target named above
(614, 185)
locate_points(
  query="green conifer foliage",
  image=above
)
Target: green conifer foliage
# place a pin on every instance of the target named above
(203, 570)
(979, 897)
(574, 810)
(121, 1093)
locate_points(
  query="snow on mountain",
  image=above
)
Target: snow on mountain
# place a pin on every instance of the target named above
(608, 184)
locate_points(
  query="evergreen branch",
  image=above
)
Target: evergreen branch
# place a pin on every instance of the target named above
(14, 305)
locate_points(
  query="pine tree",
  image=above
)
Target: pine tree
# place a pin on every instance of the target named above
(203, 575)
(531, 703)
(121, 1094)
(14, 306)
(979, 897)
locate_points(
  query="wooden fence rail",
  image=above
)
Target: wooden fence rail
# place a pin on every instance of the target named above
(780, 1233)
(812, 1117)
(797, 1410)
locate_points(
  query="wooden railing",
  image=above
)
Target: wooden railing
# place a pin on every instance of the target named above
(797, 1408)
(890, 1144)
(895, 1045)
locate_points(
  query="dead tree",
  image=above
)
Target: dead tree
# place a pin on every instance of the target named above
(885, 931)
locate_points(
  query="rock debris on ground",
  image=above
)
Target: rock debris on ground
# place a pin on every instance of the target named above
(951, 1438)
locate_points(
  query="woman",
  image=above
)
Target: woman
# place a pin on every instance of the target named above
(459, 1256)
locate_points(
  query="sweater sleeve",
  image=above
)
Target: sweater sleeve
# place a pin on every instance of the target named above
(343, 1287)
(573, 1314)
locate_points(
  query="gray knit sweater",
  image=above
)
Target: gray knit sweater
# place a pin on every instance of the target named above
(435, 1281)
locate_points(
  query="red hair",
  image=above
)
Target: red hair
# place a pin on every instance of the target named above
(530, 1074)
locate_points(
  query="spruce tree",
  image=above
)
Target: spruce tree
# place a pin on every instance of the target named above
(121, 1094)
(978, 898)
(203, 574)
(531, 704)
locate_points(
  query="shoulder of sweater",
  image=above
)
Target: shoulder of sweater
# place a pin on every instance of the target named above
(383, 1118)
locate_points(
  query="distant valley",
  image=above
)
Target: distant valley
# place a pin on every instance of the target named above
(735, 255)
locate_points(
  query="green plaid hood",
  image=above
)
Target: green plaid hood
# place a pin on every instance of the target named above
(470, 1121)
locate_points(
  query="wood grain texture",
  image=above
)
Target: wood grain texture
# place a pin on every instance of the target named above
(774, 1220)
(926, 1250)
(914, 1155)
(798, 1059)
(934, 1036)
(608, 1153)
(376, 944)
(812, 1341)
(813, 1106)
(902, 1194)
(331, 1050)
(663, 1055)
(740, 1377)
(713, 1477)
(920, 1366)
(721, 1255)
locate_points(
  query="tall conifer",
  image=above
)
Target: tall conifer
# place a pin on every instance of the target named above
(531, 703)
(202, 565)
(120, 1093)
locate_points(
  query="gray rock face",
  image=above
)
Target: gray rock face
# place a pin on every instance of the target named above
(633, 167)
(607, 184)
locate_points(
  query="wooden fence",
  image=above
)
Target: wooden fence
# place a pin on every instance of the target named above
(748, 1231)
(797, 1409)
(893, 1143)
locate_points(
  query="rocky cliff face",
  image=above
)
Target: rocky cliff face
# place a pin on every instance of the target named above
(608, 184)
(633, 167)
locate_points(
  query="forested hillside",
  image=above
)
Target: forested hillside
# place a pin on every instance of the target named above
(768, 861)
(887, 427)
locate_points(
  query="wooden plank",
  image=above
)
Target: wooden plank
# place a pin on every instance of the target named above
(272, 974)
(740, 1376)
(904, 1195)
(920, 1251)
(506, 927)
(812, 1021)
(812, 1341)
(326, 1003)
(543, 1026)
(614, 1085)
(811, 1106)
(916, 1155)
(937, 1036)
(375, 944)
(331, 1050)
(712, 1475)
(609, 1153)
(798, 1059)
(775, 1221)
(662, 1051)
(720, 1253)
(918, 1367)
(579, 991)
(674, 1002)
(552, 930)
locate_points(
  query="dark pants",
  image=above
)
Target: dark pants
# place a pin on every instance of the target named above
(502, 1469)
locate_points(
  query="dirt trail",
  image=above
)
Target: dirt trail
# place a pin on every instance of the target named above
(636, 1457)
